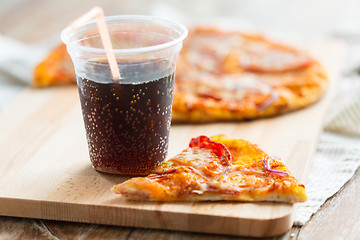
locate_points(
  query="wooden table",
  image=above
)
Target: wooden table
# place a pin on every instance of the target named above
(34, 20)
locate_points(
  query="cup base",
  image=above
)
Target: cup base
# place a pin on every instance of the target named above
(117, 172)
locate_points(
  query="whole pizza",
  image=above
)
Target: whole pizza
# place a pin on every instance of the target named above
(227, 76)
(224, 76)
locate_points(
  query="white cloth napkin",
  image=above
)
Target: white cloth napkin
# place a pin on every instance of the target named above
(336, 158)
(335, 162)
(17, 61)
(338, 153)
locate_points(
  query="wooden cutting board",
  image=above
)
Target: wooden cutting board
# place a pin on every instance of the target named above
(46, 172)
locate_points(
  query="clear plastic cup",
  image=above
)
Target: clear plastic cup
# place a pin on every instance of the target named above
(128, 121)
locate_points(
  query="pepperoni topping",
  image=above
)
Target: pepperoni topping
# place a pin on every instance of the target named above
(218, 149)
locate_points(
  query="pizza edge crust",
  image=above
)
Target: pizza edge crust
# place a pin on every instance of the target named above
(131, 192)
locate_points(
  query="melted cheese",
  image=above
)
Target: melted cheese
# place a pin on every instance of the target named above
(198, 175)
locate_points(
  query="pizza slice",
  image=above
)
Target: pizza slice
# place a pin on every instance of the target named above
(55, 69)
(216, 169)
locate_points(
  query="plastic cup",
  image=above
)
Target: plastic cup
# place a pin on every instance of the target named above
(127, 122)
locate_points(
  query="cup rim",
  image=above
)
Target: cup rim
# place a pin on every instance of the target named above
(68, 31)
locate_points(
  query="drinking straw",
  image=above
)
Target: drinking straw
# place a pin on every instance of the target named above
(98, 13)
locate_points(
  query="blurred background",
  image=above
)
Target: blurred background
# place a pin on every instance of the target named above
(334, 17)
(37, 24)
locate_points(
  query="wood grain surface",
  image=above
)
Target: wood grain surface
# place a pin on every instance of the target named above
(47, 174)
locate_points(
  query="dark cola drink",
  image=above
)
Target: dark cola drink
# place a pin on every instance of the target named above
(127, 122)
